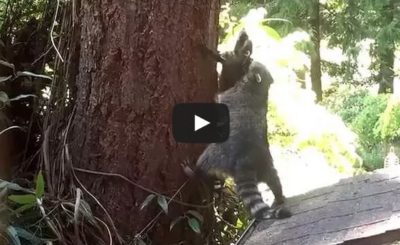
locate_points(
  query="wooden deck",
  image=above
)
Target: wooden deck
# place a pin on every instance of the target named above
(359, 210)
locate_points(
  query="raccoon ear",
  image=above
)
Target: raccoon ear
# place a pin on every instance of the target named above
(258, 78)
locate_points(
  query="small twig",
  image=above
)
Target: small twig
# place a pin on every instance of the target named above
(120, 240)
(47, 219)
(226, 222)
(76, 214)
(152, 222)
(52, 30)
(47, 215)
(143, 188)
(41, 56)
(46, 159)
(10, 128)
(107, 228)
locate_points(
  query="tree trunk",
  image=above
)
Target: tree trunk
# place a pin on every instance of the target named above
(386, 55)
(315, 53)
(137, 59)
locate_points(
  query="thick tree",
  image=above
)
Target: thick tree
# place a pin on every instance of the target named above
(307, 16)
(315, 52)
(134, 61)
(386, 50)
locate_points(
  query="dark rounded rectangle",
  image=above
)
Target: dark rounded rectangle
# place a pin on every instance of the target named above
(183, 122)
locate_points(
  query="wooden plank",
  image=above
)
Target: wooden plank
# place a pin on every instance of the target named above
(351, 210)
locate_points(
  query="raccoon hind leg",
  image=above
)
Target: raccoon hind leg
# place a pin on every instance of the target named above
(246, 184)
(268, 174)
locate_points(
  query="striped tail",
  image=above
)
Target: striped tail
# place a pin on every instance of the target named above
(248, 191)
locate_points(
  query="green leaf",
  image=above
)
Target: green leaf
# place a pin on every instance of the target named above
(23, 199)
(146, 201)
(13, 235)
(194, 225)
(12, 186)
(163, 203)
(239, 224)
(271, 32)
(24, 207)
(39, 185)
(174, 222)
(196, 214)
(28, 236)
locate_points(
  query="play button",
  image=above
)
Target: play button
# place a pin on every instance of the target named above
(199, 123)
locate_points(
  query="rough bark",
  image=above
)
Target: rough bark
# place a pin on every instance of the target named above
(315, 53)
(136, 60)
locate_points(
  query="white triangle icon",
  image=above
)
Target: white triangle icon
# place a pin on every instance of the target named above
(199, 123)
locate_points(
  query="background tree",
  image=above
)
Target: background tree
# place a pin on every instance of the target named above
(347, 23)
(304, 15)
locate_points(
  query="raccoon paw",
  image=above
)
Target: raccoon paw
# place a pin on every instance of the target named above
(278, 202)
(275, 213)
(282, 213)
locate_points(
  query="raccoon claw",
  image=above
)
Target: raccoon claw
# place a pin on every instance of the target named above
(283, 213)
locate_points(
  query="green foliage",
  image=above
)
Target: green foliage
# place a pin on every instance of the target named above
(227, 23)
(147, 201)
(194, 220)
(239, 8)
(162, 202)
(279, 132)
(194, 225)
(16, 234)
(29, 200)
(375, 119)
(19, 230)
(372, 157)
(295, 122)
(232, 217)
(367, 120)
(345, 100)
(39, 190)
(270, 31)
(388, 126)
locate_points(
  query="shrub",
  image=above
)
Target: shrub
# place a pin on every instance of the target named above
(295, 121)
(279, 132)
(388, 125)
(365, 122)
(345, 100)
(374, 118)
(372, 158)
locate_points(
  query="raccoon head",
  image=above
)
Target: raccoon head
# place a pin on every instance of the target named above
(257, 80)
(235, 63)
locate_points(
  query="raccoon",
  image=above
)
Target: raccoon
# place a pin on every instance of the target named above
(245, 156)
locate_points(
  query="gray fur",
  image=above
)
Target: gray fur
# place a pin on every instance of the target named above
(245, 156)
